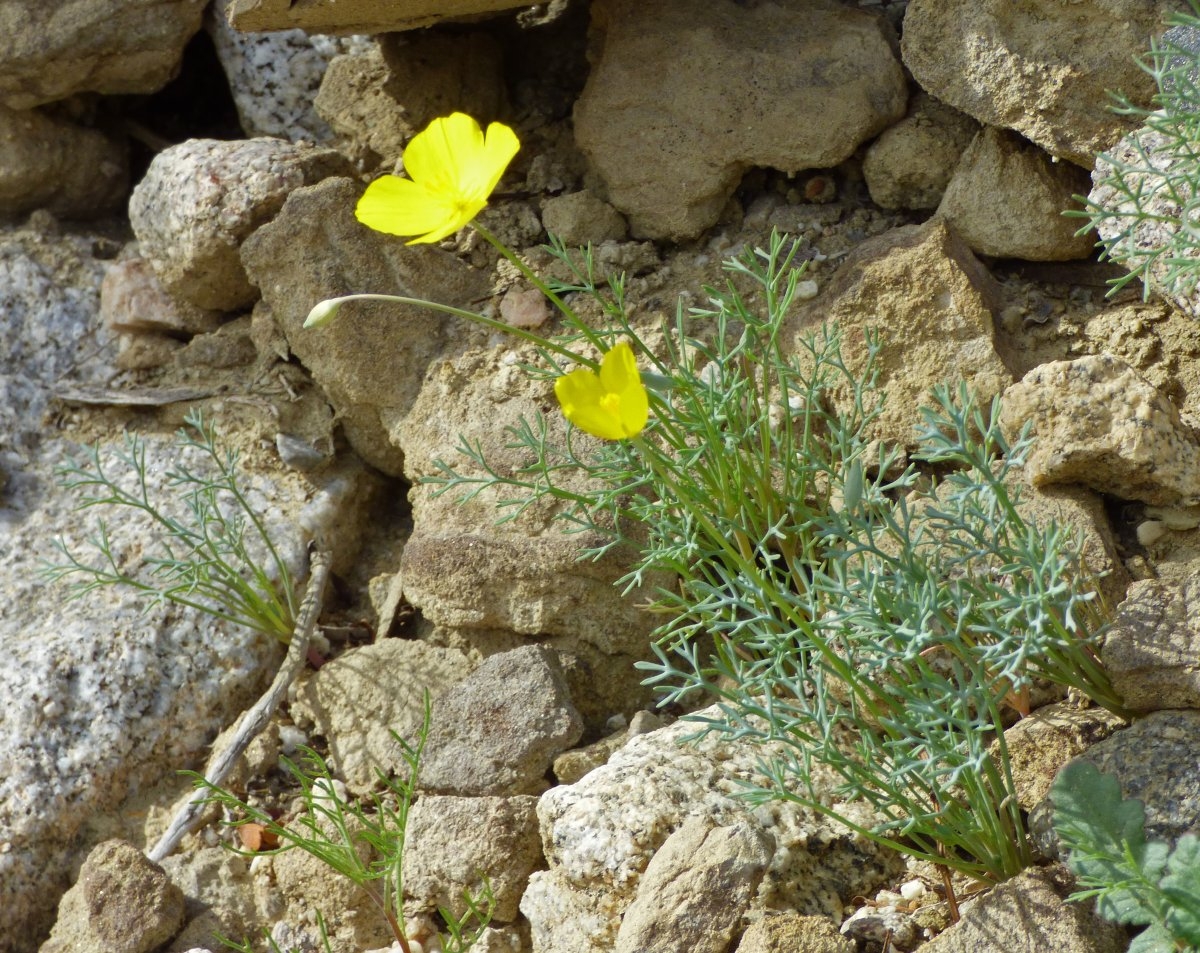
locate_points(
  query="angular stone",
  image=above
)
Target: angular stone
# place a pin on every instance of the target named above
(358, 16)
(378, 96)
(1048, 738)
(600, 834)
(1041, 75)
(54, 164)
(498, 731)
(372, 359)
(452, 843)
(52, 51)
(683, 98)
(696, 889)
(358, 700)
(201, 199)
(911, 163)
(581, 218)
(1006, 199)
(1097, 423)
(933, 305)
(122, 903)
(133, 300)
(777, 933)
(1151, 650)
(1030, 914)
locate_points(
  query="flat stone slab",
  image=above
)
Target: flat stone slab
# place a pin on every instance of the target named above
(357, 16)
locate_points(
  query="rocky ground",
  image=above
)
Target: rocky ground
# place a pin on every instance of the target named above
(180, 193)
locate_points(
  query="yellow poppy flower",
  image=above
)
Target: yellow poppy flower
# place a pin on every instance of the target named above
(611, 405)
(452, 168)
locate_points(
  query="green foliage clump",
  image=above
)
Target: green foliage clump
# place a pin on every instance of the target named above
(832, 596)
(362, 841)
(216, 557)
(1132, 880)
(1148, 212)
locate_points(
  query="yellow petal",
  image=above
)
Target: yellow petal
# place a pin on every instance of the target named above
(440, 155)
(619, 375)
(402, 207)
(580, 396)
(500, 146)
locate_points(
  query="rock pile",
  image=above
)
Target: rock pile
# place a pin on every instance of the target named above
(165, 243)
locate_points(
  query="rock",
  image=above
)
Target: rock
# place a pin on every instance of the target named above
(1007, 198)
(1145, 165)
(201, 199)
(910, 164)
(677, 107)
(380, 95)
(694, 892)
(95, 46)
(581, 218)
(923, 291)
(1156, 761)
(1042, 75)
(1097, 423)
(220, 894)
(526, 576)
(358, 16)
(372, 359)
(1048, 738)
(133, 301)
(453, 842)
(58, 165)
(357, 700)
(600, 834)
(793, 933)
(1150, 652)
(876, 927)
(229, 346)
(570, 766)
(529, 719)
(274, 77)
(1030, 914)
(123, 903)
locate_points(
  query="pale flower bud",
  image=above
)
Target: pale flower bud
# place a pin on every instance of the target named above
(323, 312)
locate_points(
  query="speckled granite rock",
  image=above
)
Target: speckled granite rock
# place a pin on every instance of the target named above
(1151, 650)
(1157, 761)
(676, 107)
(600, 834)
(52, 51)
(201, 199)
(52, 163)
(1006, 199)
(1043, 75)
(1097, 423)
(274, 77)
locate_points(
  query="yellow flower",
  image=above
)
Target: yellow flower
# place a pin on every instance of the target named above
(452, 167)
(611, 405)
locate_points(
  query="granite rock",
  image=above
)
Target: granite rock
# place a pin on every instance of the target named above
(1150, 652)
(201, 199)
